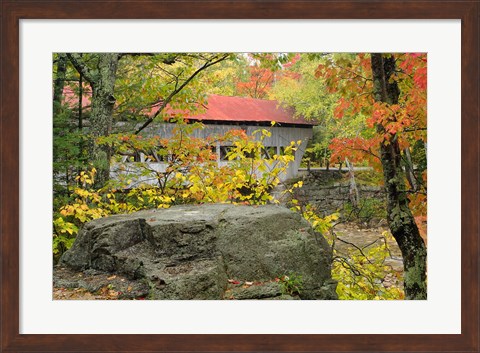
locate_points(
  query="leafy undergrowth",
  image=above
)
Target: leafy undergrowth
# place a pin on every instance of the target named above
(367, 264)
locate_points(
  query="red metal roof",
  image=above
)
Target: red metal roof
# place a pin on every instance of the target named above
(243, 109)
(222, 108)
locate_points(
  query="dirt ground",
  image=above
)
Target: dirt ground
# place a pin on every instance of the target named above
(73, 285)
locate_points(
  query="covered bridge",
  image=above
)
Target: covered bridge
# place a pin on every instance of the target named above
(225, 113)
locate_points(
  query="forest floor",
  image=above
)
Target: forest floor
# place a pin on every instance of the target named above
(350, 237)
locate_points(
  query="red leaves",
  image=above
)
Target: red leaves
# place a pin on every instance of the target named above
(355, 149)
(410, 61)
(292, 61)
(420, 78)
(415, 64)
(259, 83)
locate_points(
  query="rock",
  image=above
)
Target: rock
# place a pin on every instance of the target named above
(262, 291)
(191, 252)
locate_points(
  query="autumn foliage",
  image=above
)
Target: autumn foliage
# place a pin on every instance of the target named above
(350, 76)
(190, 174)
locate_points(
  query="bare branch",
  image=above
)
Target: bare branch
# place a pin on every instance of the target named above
(179, 88)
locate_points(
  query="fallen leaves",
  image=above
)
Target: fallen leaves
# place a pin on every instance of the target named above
(105, 293)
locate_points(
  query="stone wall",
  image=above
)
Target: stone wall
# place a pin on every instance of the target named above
(329, 191)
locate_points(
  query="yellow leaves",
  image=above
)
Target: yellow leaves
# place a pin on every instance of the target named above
(167, 199)
(82, 192)
(190, 175)
(86, 178)
(239, 173)
(63, 227)
(65, 211)
(262, 167)
(194, 189)
(180, 177)
(298, 184)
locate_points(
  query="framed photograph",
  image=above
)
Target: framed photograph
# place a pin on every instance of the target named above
(34, 33)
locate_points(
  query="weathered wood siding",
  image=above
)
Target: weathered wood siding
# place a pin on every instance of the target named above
(280, 137)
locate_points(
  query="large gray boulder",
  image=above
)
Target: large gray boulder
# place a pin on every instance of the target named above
(212, 251)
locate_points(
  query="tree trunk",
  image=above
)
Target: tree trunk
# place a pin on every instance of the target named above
(400, 219)
(103, 101)
(59, 83)
(102, 81)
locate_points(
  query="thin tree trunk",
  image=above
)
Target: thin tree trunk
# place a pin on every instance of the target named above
(80, 101)
(400, 219)
(353, 191)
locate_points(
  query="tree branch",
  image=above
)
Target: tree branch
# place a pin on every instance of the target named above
(81, 67)
(363, 150)
(179, 88)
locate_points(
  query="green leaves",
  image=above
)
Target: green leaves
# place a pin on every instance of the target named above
(291, 284)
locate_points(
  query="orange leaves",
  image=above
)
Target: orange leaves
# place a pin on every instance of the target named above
(235, 133)
(320, 71)
(418, 205)
(365, 62)
(330, 74)
(346, 107)
(351, 78)
(378, 115)
(355, 149)
(342, 105)
(393, 118)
